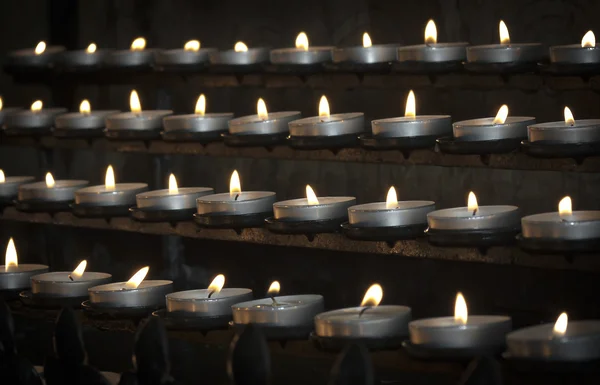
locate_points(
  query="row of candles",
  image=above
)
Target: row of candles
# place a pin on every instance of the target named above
(304, 54)
(265, 123)
(562, 341)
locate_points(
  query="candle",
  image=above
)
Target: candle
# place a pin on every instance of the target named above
(303, 54)
(15, 276)
(84, 121)
(241, 55)
(135, 56)
(199, 122)
(264, 122)
(211, 302)
(50, 190)
(367, 321)
(136, 120)
(291, 311)
(367, 53)
(463, 331)
(173, 198)
(65, 284)
(89, 58)
(39, 57)
(313, 208)
(4, 111)
(136, 292)
(565, 341)
(569, 131)
(499, 128)
(506, 52)
(352, 123)
(9, 185)
(432, 51)
(191, 55)
(110, 193)
(584, 53)
(412, 125)
(33, 121)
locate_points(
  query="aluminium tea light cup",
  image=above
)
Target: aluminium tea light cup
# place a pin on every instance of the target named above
(15, 276)
(173, 198)
(89, 58)
(35, 120)
(136, 56)
(491, 129)
(240, 55)
(199, 122)
(51, 191)
(146, 123)
(585, 53)
(83, 121)
(9, 185)
(303, 54)
(5, 111)
(570, 131)
(191, 55)
(365, 54)
(66, 284)
(110, 193)
(313, 208)
(40, 57)
(264, 122)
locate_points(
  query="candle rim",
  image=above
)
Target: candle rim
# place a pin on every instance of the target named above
(418, 204)
(435, 46)
(119, 286)
(209, 115)
(20, 268)
(311, 299)
(181, 191)
(418, 119)
(560, 124)
(59, 184)
(286, 203)
(320, 120)
(509, 121)
(42, 278)
(175, 296)
(525, 332)
(436, 214)
(554, 217)
(254, 118)
(262, 195)
(513, 46)
(402, 310)
(132, 186)
(473, 322)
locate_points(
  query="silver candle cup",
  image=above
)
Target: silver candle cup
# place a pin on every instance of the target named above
(59, 284)
(580, 225)
(275, 123)
(381, 53)
(10, 187)
(28, 58)
(286, 311)
(63, 191)
(433, 53)
(82, 58)
(213, 122)
(485, 218)
(129, 58)
(582, 131)
(243, 58)
(196, 303)
(27, 119)
(149, 293)
(19, 277)
(89, 121)
(300, 56)
(150, 120)
(376, 322)
(574, 54)
(301, 210)
(182, 57)
(334, 125)
(506, 53)
(123, 194)
(420, 125)
(4, 112)
(184, 198)
(514, 127)
(405, 213)
(244, 203)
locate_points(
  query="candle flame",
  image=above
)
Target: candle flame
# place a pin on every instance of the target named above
(302, 41)
(37, 106)
(373, 296)
(91, 48)
(11, 262)
(367, 40)
(391, 201)
(569, 118)
(235, 187)
(217, 284)
(410, 110)
(79, 270)
(85, 108)
(50, 180)
(311, 197)
(1, 104)
(504, 35)
(565, 207)
(261, 109)
(461, 314)
(324, 107)
(274, 289)
(138, 44)
(201, 105)
(134, 102)
(560, 327)
(588, 41)
(109, 179)
(472, 202)
(40, 48)
(430, 33)
(240, 47)
(192, 45)
(501, 115)
(2, 177)
(173, 189)
(137, 278)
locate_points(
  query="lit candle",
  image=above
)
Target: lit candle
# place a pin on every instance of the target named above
(9, 186)
(463, 331)
(136, 292)
(84, 59)
(190, 56)
(313, 208)
(50, 191)
(240, 55)
(264, 122)
(367, 53)
(4, 111)
(40, 57)
(200, 123)
(110, 194)
(303, 54)
(136, 56)
(36, 120)
(173, 198)
(15, 276)
(584, 53)
(500, 127)
(83, 122)
(137, 121)
(65, 284)
(567, 131)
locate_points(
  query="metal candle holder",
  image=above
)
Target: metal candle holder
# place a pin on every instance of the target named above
(252, 130)
(231, 58)
(202, 303)
(39, 197)
(301, 56)
(207, 127)
(78, 124)
(407, 133)
(238, 210)
(60, 284)
(182, 59)
(376, 54)
(164, 205)
(335, 131)
(100, 201)
(149, 294)
(428, 57)
(505, 57)
(130, 58)
(27, 122)
(559, 139)
(19, 277)
(84, 60)
(5, 111)
(136, 125)
(28, 59)
(9, 189)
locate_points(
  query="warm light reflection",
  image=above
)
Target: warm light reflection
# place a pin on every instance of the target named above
(373, 296)
(504, 36)
(391, 201)
(324, 107)
(134, 102)
(2, 177)
(560, 327)
(472, 202)
(410, 110)
(461, 314)
(274, 289)
(216, 285)
(201, 105)
(302, 41)
(40, 48)
(565, 207)
(138, 44)
(192, 45)
(240, 47)
(91, 48)
(50, 180)
(501, 115)
(11, 262)
(569, 118)
(367, 40)
(37, 106)
(1, 104)
(311, 197)
(85, 108)
(173, 189)
(261, 109)
(235, 187)
(79, 270)
(137, 278)
(430, 33)
(109, 179)
(588, 41)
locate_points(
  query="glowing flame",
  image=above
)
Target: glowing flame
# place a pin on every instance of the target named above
(504, 36)
(79, 270)
(201, 105)
(472, 202)
(109, 179)
(235, 187)
(1, 104)
(11, 262)
(192, 45)
(461, 314)
(240, 47)
(50, 180)
(217, 284)
(391, 201)
(560, 327)
(138, 44)
(311, 197)
(565, 207)
(261, 109)
(91, 48)
(274, 289)
(324, 107)
(302, 41)
(85, 107)
(134, 102)
(430, 33)
(411, 105)
(40, 48)
(569, 118)
(37, 106)
(137, 278)
(367, 40)
(373, 296)
(501, 115)
(588, 41)
(2, 177)
(173, 189)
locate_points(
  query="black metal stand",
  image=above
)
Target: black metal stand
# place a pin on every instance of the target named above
(69, 133)
(323, 142)
(559, 246)
(192, 136)
(279, 226)
(218, 221)
(41, 206)
(277, 333)
(551, 366)
(336, 344)
(116, 313)
(450, 145)
(383, 234)
(144, 215)
(377, 68)
(45, 302)
(124, 134)
(253, 140)
(571, 69)
(175, 321)
(502, 68)
(449, 354)
(291, 69)
(414, 67)
(249, 360)
(547, 149)
(94, 211)
(27, 131)
(353, 366)
(473, 238)
(404, 144)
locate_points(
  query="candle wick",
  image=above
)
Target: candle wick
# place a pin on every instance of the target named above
(274, 302)
(211, 293)
(474, 212)
(363, 310)
(71, 278)
(236, 197)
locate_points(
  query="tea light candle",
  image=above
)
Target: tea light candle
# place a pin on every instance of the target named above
(236, 202)
(110, 193)
(584, 53)
(564, 341)
(264, 122)
(412, 125)
(241, 55)
(85, 119)
(9, 186)
(36, 119)
(505, 52)
(199, 121)
(328, 125)
(67, 284)
(303, 54)
(136, 292)
(367, 321)
(367, 54)
(475, 217)
(212, 302)
(432, 51)
(569, 131)
(190, 55)
(463, 331)
(286, 311)
(313, 208)
(85, 58)
(173, 198)
(4, 111)
(390, 213)
(498, 128)
(137, 119)
(15, 276)
(39, 57)
(135, 56)
(50, 190)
